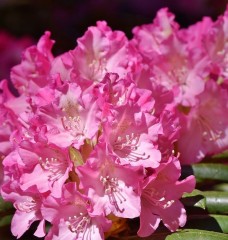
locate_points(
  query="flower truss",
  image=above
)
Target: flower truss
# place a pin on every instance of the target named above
(102, 130)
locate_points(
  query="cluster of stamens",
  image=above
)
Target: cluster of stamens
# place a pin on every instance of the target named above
(54, 166)
(209, 133)
(78, 224)
(129, 146)
(113, 191)
(72, 124)
(27, 206)
(157, 198)
(97, 66)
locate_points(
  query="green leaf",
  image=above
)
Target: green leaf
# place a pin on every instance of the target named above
(193, 234)
(218, 223)
(194, 199)
(212, 201)
(5, 206)
(6, 220)
(212, 171)
(154, 236)
(221, 155)
(216, 202)
(220, 187)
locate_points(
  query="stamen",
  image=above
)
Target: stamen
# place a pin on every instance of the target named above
(72, 124)
(27, 206)
(129, 146)
(54, 166)
(209, 133)
(79, 224)
(113, 191)
(157, 198)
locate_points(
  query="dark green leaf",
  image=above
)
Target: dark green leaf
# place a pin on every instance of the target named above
(5, 206)
(221, 187)
(193, 234)
(221, 155)
(216, 202)
(212, 201)
(194, 199)
(218, 223)
(212, 171)
(6, 220)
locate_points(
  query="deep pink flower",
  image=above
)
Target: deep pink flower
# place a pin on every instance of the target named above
(34, 69)
(70, 118)
(72, 216)
(160, 198)
(46, 166)
(129, 136)
(99, 51)
(98, 130)
(110, 187)
(27, 203)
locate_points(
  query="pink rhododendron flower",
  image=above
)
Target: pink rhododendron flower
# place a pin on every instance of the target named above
(33, 71)
(70, 118)
(47, 167)
(159, 200)
(72, 216)
(129, 136)
(100, 51)
(110, 186)
(174, 66)
(206, 123)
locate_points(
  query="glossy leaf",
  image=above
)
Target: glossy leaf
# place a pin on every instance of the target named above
(194, 199)
(212, 171)
(216, 202)
(217, 223)
(212, 201)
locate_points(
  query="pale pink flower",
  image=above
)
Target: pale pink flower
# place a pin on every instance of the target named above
(204, 129)
(172, 64)
(27, 211)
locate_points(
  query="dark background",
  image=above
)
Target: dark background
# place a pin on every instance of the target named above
(69, 19)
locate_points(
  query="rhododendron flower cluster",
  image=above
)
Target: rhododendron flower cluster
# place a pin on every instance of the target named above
(102, 130)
